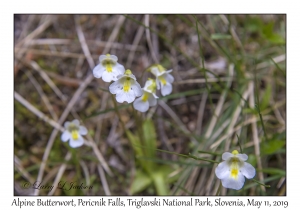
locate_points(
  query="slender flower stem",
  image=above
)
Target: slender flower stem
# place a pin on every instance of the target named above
(182, 155)
(258, 106)
(196, 158)
(138, 123)
(118, 113)
(260, 183)
(211, 153)
(239, 143)
(203, 66)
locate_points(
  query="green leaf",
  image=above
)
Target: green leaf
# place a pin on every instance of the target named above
(220, 36)
(135, 142)
(141, 182)
(150, 138)
(271, 36)
(166, 170)
(266, 180)
(254, 25)
(182, 94)
(276, 39)
(266, 97)
(139, 151)
(252, 159)
(249, 111)
(274, 171)
(268, 30)
(160, 184)
(272, 146)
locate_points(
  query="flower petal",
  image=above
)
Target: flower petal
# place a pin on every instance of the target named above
(98, 71)
(141, 105)
(66, 124)
(242, 157)
(166, 89)
(227, 155)
(154, 95)
(136, 88)
(157, 84)
(76, 122)
(155, 71)
(107, 76)
(118, 68)
(121, 96)
(82, 130)
(152, 100)
(117, 71)
(222, 171)
(115, 75)
(76, 143)
(114, 58)
(169, 78)
(169, 71)
(131, 76)
(232, 183)
(102, 57)
(120, 76)
(160, 73)
(115, 87)
(65, 136)
(147, 84)
(247, 170)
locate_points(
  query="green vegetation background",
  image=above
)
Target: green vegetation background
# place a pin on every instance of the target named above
(230, 88)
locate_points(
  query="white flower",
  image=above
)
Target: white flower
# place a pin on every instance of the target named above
(126, 87)
(108, 68)
(233, 170)
(163, 79)
(73, 133)
(148, 98)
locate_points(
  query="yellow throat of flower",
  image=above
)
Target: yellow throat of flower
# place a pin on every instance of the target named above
(108, 63)
(145, 96)
(234, 173)
(75, 134)
(234, 167)
(127, 83)
(152, 87)
(162, 80)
